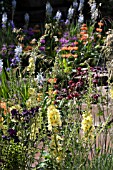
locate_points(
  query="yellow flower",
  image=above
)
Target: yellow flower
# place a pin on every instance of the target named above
(17, 107)
(54, 118)
(34, 131)
(87, 123)
(111, 93)
(32, 91)
(31, 66)
(59, 159)
(39, 98)
(29, 102)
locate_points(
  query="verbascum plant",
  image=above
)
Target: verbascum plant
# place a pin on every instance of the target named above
(31, 66)
(54, 117)
(87, 125)
(56, 148)
(32, 100)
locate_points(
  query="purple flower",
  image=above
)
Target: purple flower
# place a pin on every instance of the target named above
(12, 24)
(74, 38)
(42, 41)
(4, 137)
(64, 41)
(14, 112)
(4, 48)
(58, 16)
(8, 69)
(42, 48)
(11, 46)
(66, 34)
(12, 132)
(67, 22)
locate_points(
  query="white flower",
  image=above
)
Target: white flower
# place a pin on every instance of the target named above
(49, 9)
(93, 7)
(14, 4)
(26, 17)
(70, 13)
(81, 19)
(94, 15)
(4, 17)
(58, 15)
(18, 50)
(1, 65)
(40, 78)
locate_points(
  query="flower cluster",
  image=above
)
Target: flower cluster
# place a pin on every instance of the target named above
(87, 125)
(54, 118)
(32, 100)
(57, 147)
(31, 66)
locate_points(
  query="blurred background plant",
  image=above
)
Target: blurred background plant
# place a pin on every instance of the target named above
(54, 112)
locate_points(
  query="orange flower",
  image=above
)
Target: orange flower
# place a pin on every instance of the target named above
(75, 42)
(39, 98)
(75, 48)
(84, 37)
(100, 24)
(84, 25)
(28, 48)
(75, 55)
(4, 107)
(64, 48)
(69, 55)
(85, 42)
(70, 48)
(82, 32)
(83, 28)
(52, 80)
(98, 29)
(66, 55)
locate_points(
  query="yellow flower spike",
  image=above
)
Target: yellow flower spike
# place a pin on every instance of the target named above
(87, 124)
(111, 93)
(54, 118)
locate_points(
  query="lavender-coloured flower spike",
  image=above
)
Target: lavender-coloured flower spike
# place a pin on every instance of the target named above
(67, 22)
(81, 4)
(12, 24)
(81, 18)
(18, 50)
(58, 16)
(13, 4)
(93, 7)
(70, 13)
(94, 15)
(4, 18)
(1, 65)
(26, 17)
(94, 10)
(49, 9)
(75, 4)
